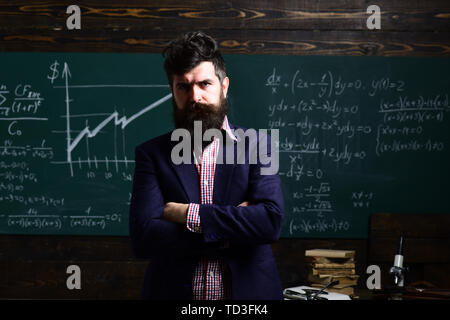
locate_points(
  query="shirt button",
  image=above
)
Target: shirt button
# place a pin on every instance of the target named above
(211, 274)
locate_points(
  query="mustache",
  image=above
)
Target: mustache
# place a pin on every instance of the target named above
(211, 115)
(203, 107)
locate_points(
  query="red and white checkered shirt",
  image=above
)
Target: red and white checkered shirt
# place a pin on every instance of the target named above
(208, 281)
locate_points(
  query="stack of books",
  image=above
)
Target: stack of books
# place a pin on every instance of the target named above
(330, 265)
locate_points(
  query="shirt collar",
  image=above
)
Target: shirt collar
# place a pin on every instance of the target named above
(226, 127)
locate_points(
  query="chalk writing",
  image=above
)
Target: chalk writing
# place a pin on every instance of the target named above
(350, 134)
(322, 127)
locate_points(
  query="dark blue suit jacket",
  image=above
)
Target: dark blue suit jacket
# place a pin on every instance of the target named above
(241, 235)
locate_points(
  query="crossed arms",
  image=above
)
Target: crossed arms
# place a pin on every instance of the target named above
(159, 228)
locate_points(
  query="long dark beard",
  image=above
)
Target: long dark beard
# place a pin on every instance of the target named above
(210, 115)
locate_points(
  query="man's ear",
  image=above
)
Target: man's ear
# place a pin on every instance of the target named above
(225, 85)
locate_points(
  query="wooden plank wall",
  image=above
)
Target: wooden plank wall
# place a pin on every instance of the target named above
(301, 27)
(35, 266)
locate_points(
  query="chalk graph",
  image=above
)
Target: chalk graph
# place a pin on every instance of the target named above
(73, 140)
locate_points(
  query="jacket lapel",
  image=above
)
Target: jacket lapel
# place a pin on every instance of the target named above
(224, 173)
(188, 177)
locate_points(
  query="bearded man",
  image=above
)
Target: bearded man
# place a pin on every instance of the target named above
(206, 226)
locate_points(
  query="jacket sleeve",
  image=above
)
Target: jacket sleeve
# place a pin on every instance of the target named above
(258, 223)
(150, 234)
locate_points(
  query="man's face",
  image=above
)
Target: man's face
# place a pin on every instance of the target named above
(198, 95)
(200, 85)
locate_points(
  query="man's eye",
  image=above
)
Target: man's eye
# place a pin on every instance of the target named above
(182, 86)
(205, 83)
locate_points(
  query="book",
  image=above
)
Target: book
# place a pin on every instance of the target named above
(328, 253)
(306, 292)
(325, 279)
(333, 265)
(333, 272)
(326, 266)
(313, 261)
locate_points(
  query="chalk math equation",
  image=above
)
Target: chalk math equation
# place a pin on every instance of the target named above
(66, 159)
(333, 124)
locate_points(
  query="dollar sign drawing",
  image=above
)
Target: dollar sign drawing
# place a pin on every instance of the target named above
(55, 74)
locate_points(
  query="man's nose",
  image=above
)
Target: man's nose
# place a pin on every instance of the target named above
(196, 95)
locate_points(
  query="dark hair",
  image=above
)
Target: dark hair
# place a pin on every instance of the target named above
(188, 51)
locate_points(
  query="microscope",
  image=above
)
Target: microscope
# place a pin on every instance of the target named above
(398, 270)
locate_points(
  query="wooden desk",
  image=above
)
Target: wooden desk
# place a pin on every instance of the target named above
(408, 294)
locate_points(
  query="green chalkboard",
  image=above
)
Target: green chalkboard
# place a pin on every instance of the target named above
(357, 135)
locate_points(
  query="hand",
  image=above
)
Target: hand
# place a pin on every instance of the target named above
(175, 212)
(244, 204)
